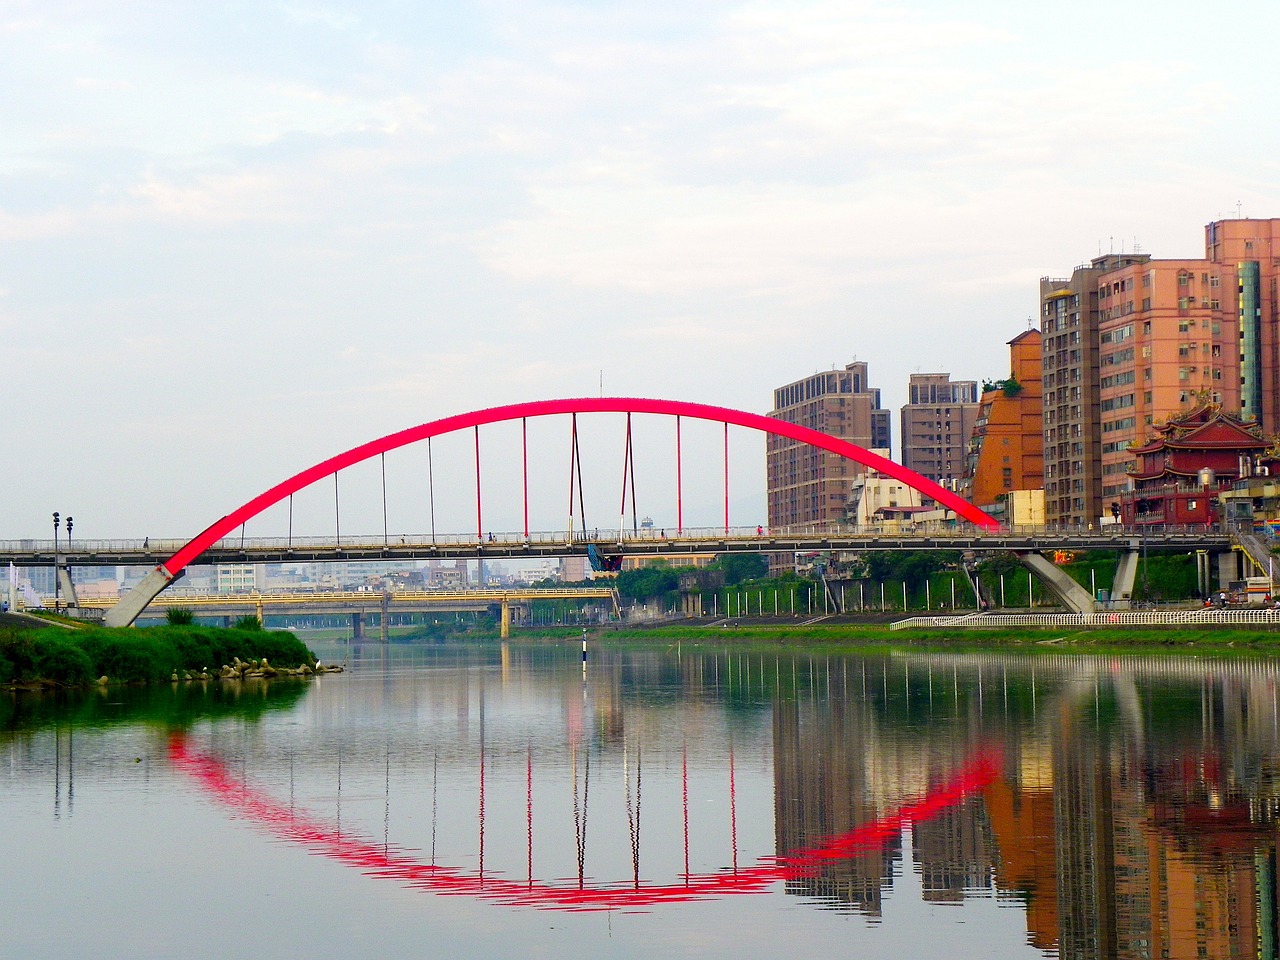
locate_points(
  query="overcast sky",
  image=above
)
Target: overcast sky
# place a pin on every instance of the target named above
(238, 238)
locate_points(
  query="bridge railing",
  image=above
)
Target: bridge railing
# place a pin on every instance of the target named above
(164, 547)
(1212, 616)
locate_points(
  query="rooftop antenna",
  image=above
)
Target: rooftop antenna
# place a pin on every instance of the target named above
(1238, 217)
(602, 383)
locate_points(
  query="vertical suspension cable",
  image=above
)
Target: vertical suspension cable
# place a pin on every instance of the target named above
(573, 449)
(726, 478)
(524, 457)
(291, 519)
(577, 455)
(635, 528)
(479, 519)
(626, 465)
(385, 539)
(337, 518)
(431, 490)
(679, 483)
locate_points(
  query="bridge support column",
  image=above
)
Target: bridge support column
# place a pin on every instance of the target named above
(1204, 581)
(1126, 574)
(506, 619)
(1072, 596)
(135, 601)
(1228, 568)
(68, 587)
(357, 626)
(384, 624)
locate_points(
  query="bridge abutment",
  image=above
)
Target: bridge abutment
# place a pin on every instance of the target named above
(1069, 593)
(135, 601)
(1228, 568)
(1126, 576)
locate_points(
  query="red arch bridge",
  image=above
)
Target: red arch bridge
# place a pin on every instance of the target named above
(968, 528)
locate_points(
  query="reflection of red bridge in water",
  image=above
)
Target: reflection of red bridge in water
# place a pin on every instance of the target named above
(378, 860)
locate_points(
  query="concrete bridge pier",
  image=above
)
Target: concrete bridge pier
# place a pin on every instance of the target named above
(506, 619)
(691, 603)
(1204, 573)
(1126, 575)
(68, 587)
(1228, 568)
(357, 626)
(135, 601)
(1069, 593)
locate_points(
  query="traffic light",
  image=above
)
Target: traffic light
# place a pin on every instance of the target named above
(1115, 510)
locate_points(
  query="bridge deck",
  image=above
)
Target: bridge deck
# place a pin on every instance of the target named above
(149, 552)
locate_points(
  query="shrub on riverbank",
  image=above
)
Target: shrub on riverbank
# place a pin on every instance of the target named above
(78, 656)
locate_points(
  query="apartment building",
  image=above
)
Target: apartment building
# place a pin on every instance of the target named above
(937, 421)
(1006, 450)
(807, 485)
(1131, 342)
(1072, 446)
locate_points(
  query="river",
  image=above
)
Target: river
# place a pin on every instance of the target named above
(501, 801)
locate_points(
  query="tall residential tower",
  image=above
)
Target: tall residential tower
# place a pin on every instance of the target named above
(937, 422)
(808, 485)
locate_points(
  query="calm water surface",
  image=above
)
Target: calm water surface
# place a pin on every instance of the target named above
(490, 802)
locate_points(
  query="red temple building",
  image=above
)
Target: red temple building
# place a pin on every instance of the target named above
(1177, 474)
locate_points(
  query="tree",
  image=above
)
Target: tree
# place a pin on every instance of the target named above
(648, 582)
(740, 567)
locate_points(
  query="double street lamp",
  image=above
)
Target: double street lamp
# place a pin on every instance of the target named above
(57, 522)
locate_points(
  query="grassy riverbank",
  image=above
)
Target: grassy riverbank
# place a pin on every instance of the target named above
(77, 656)
(851, 637)
(1059, 639)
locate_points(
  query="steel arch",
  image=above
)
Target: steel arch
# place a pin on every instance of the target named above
(543, 408)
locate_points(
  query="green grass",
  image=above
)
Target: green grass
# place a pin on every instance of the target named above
(1058, 639)
(79, 656)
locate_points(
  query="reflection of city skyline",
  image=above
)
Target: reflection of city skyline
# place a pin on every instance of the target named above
(1134, 814)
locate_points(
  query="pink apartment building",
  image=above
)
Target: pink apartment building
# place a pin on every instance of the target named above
(1173, 334)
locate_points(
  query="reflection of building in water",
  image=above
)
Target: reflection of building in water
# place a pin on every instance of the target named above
(820, 790)
(847, 758)
(955, 852)
(1021, 810)
(1137, 814)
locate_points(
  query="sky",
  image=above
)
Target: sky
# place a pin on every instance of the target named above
(238, 238)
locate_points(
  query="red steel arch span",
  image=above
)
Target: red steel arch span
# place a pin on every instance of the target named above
(166, 572)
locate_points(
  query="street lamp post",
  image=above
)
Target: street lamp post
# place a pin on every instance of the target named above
(69, 580)
(57, 522)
